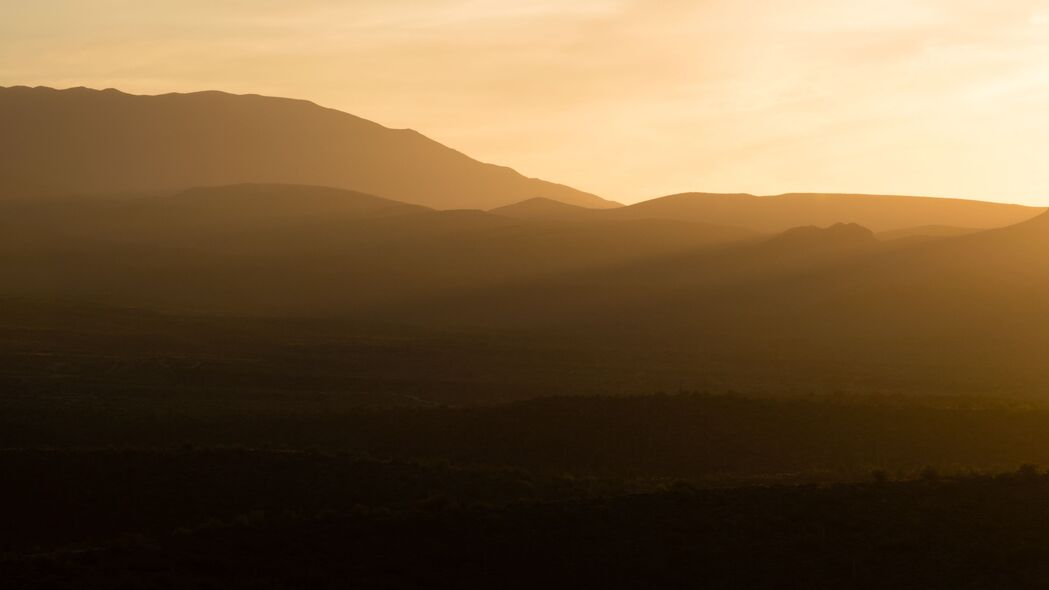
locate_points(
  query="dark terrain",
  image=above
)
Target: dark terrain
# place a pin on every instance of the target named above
(250, 343)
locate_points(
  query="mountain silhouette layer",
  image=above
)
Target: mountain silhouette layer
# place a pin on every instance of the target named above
(775, 214)
(810, 310)
(520, 292)
(257, 248)
(545, 209)
(471, 305)
(840, 236)
(878, 213)
(83, 141)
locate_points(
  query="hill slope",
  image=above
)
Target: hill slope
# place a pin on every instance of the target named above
(83, 141)
(780, 213)
(542, 208)
(811, 310)
(301, 250)
(470, 305)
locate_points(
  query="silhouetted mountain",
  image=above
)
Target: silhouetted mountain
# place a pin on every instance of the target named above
(958, 314)
(193, 217)
(468, 304)
(1003, 264)
(840, 236)
(813, 310)
(662, 296)
(301, 250)
(700, 291)
(278, 204)
(545, 209)
(82, 141)
(780, 213)
(966, 313)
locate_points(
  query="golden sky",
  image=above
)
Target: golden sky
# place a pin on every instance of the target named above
(630, 99)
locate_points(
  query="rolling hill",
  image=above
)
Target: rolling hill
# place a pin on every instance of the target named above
(924, 216)
(522, 305)
(302, 250)
(545, 209)
(237, 254)
(83, 141)
(830, 309)
(780, 213)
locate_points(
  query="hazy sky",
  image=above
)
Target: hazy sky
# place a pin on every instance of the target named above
(629, 99)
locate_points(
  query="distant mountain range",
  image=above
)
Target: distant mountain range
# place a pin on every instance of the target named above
(531, 288)
(62, 143)
(300, 249)
(83, 141)
(656, 300)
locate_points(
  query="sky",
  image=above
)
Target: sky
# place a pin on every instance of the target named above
(629, 99)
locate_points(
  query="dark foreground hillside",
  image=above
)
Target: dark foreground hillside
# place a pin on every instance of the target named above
(116, 490)
(122, 490)
(242, 519)
(709, 440)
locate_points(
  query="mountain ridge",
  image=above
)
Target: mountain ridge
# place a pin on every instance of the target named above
(86, 141)
(777, 213)
(883, 214)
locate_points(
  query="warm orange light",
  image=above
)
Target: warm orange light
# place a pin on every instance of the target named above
(624, 98)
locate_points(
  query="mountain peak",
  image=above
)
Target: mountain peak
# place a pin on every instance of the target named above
(840, 236)
(542, 208)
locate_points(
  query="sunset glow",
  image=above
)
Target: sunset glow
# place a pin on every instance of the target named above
(622, 98)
